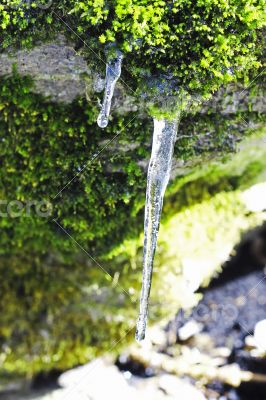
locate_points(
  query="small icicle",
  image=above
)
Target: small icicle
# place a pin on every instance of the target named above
(113, 72)
(164, 137)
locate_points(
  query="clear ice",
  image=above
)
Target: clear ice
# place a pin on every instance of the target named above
(164, 136)
(113, 72)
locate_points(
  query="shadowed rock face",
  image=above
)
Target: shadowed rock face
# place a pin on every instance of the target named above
(62, 75)
(55, 67)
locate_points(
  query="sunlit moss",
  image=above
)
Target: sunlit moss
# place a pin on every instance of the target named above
(193, 45)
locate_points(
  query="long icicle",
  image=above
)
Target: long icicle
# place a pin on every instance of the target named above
(113, 72)
(164, 137)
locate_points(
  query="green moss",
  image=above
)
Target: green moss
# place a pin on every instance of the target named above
(57, 307)
(42, 140)
(100, 205)
(196, 46)
(199, 43)
(54, 315)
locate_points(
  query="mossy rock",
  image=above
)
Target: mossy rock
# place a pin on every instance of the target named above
(168, 46)
(58, 308)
